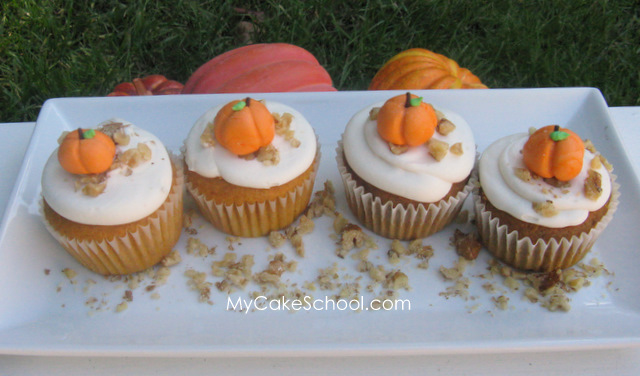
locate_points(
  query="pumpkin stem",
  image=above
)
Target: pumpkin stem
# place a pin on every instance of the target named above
(556, 128)
(407, 104)
(80, 134)
(247, 101)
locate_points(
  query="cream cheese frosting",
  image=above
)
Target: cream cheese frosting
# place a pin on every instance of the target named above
(509, 193)
(414, 174)
(126, 198)
(216, 161)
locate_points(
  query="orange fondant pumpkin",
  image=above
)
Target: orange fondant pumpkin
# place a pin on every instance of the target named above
(554, 152)
(406, 120)
(243, 127)
(418, 68)
(260, 68)
(154, 84)
(86, 152)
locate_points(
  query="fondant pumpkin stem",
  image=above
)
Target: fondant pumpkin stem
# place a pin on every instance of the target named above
(80, 134)
(407, 104)
(247, 101)
(556, 128)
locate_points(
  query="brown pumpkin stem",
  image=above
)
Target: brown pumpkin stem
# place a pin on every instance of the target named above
(407, 104)
(246, 101)
(80, 134)
(556, 128)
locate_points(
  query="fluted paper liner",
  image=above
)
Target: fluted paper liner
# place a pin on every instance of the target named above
(136, 250)
(403, 222)
(255, 219)
(542, 255)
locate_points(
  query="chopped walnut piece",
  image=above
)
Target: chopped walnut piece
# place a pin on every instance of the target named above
(208, 137)
(523, 174)
(275, 269)
(456, 149)
(396, 280)
(596, 163)
(268, 155)
(501, 302)
(277, 239)
(135, 156)
(605, 162)
(532, 130)
(282, 125)
(467, 245)
(173, 258)
(590, 146)
(545, 209)
(121, 138)
(445, 126)
(593, 185)
(198, 282)
(351, 237)
(373, 114)
(111, 128)
(438, 149)
(94, 189)
(398, 149)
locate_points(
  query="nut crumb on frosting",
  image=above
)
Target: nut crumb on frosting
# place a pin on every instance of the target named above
(593, 185)
(438, 149)
(456, 149)
(283, 128)
(545, 209)
(445, 126)
(373, 113)
(523, 174)
(398, 149)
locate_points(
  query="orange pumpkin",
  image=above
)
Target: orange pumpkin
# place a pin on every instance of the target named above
(243, 127)
(154, 84)
(260, 68)
(418, 68)
(554, 152)
(86, 152)
(406, 120)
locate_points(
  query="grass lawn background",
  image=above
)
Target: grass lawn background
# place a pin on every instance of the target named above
(61, 48)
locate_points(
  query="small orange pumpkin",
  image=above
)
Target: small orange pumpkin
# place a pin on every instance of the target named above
(86, 152)
(417, 68)
(554, 152)
(406, 120)
(244, 126)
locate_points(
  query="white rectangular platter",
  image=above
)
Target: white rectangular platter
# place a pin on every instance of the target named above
(43, 312)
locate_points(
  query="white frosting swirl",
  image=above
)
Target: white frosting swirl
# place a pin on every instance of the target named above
(125, 199)
(415, 174)
(509, 193)
(216, 161)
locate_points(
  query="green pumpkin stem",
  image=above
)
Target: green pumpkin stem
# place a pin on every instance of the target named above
(557, 134)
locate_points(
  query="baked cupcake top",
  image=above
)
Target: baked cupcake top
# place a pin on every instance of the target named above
(544, 183)
(260, 145)
(135, 184)
(420, 153)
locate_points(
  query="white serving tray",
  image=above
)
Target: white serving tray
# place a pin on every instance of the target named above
(45, 314)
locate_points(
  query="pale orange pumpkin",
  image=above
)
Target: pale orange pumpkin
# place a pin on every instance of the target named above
(554, 152)
(406, 120)
(86, 152)
(243, 127)
(418, 68)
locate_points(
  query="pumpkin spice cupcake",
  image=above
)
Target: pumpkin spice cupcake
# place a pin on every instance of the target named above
(544, 198)
(251, 166)
(405, 166)
(112, 197)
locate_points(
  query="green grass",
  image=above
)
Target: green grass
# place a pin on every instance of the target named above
(59, 48)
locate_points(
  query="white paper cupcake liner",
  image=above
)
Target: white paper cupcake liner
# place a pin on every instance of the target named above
(135, 250)
(403, 222)
(257, 218)
(522, 253)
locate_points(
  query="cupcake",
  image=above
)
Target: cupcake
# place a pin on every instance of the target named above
(112, 197)
(251, 166)
(543, 199)
(405, 166)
